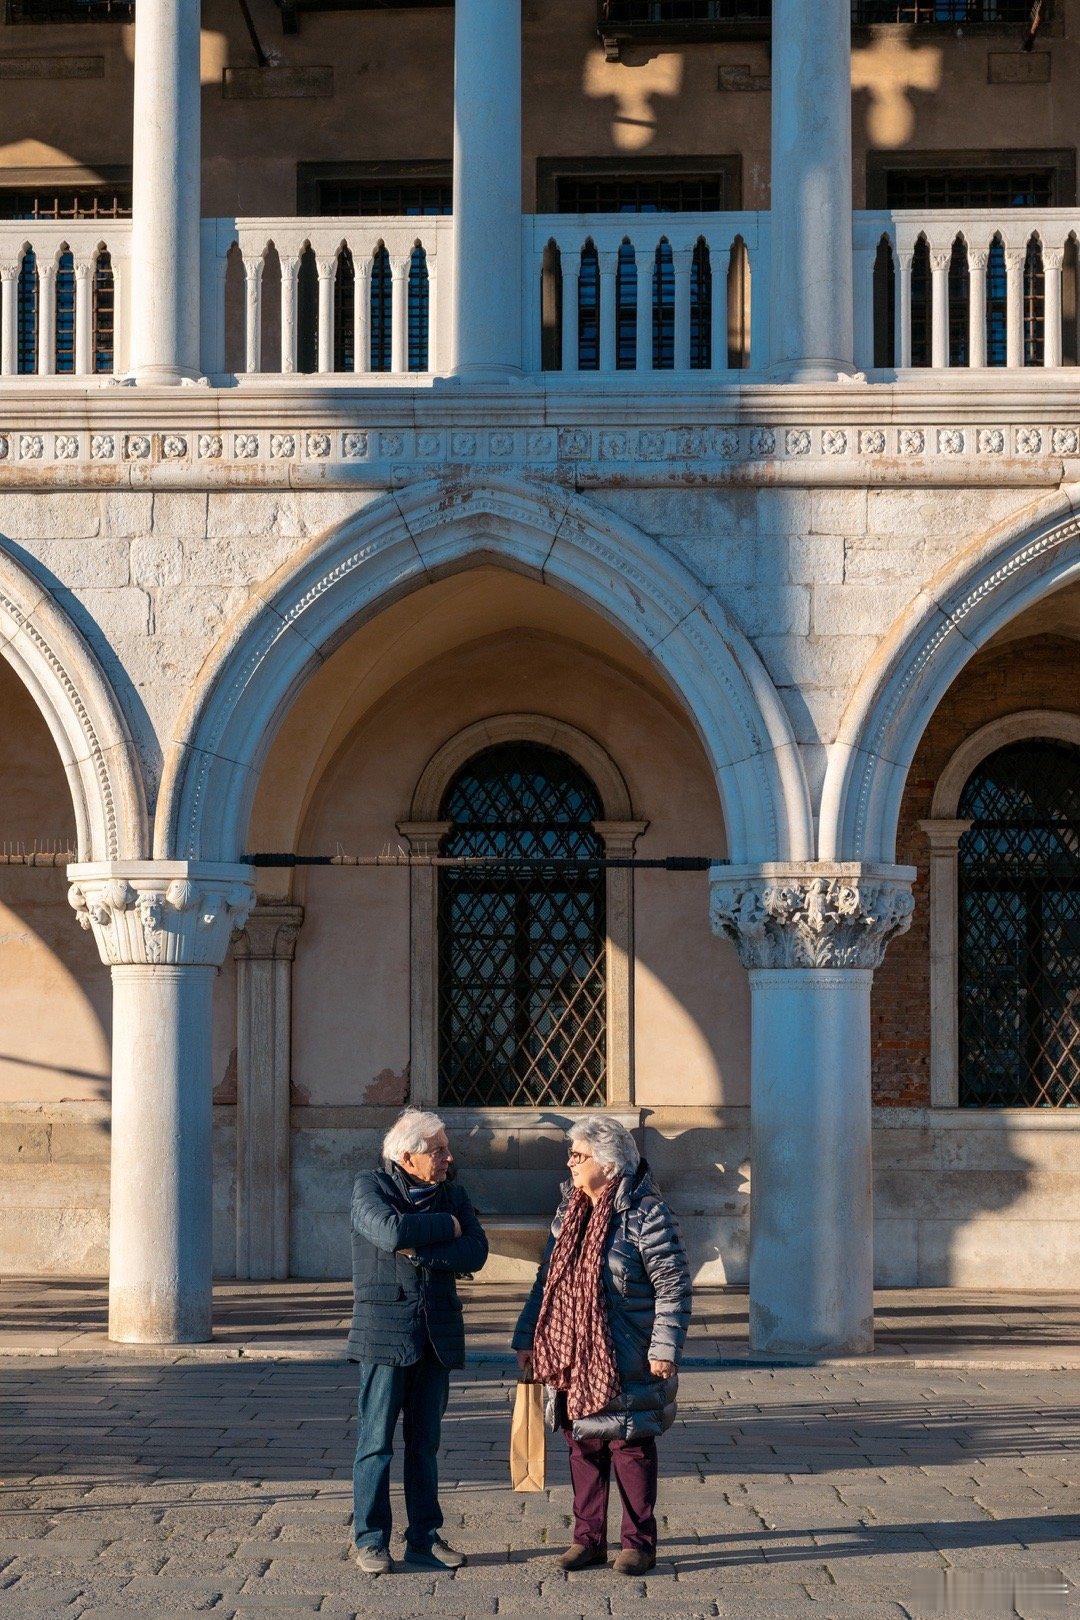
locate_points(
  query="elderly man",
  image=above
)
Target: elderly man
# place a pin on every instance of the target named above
(413, 1234)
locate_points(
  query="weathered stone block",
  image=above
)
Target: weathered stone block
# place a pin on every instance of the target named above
(156, 561)
(838, 511)
(45, 515)
(85, 562)
(771, 610)
(180, 514)
(858, 610)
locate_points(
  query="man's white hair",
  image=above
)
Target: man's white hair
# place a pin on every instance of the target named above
(610, 1144)
(410, 1133)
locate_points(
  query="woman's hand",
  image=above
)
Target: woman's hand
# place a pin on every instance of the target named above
(524, 1361)
(662, 1369)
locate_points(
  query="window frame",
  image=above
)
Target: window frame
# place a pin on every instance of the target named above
(944, 829)
(1059, 163)
(550, 170)
(619, 831)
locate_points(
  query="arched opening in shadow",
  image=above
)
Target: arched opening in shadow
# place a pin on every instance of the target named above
(1070, 297)
(307, 311)
(64, 352)
(884, 293)
(270, 311)
(345, 312)
(701, 307)
(959, 304)
(663, 303)
(103, 315)
(626, 297)
(551, 309)
(588, 309)
(996, 303)
(235, 296)
(418, 309)
(27, 317)
(381, 310)
(1034, 303)
(920, 303)
(738, 306)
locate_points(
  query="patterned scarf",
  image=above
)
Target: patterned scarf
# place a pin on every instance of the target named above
(572, 1348)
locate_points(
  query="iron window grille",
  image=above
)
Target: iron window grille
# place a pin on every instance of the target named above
(683, 19)
(67, 11)
(1019, 930)
(523, 940)
(984, 14)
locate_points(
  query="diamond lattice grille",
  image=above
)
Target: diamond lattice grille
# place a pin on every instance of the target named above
(1019, 894)
(522, 941)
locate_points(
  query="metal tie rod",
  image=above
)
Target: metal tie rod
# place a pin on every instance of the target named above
(667, 863)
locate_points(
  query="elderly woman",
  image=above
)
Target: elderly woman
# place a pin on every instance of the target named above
(604, 1327)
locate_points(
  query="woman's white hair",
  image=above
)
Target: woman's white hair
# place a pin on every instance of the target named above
(610, 1144)
(410, 1133)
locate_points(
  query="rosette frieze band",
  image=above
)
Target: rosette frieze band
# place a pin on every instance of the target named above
(821, 915)
(151, 913)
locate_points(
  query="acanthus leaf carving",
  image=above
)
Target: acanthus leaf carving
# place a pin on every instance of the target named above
(811, 917)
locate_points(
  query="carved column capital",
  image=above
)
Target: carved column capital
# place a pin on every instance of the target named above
(153, 913)
(818, 915)
(270, 933)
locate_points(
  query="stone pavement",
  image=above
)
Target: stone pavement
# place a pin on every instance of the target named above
(290, 1321)
(136, 1489)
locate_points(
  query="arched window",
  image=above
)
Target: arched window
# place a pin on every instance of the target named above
(522, 944)
(1019, 929)
(104, 314)
(381, 297)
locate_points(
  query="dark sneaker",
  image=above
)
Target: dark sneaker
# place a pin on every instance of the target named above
(632, 1561)
(578, 1557)
(373, 1560)
(438, 1556)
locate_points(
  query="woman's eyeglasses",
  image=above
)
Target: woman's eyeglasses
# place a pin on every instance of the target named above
(577, 1158)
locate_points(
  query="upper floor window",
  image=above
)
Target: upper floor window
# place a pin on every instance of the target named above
(679, 185)
(955, 14)
(66, 202)
(362, 191)
(66, 11)
(683, 19)
(522, 938)
(1019, 929)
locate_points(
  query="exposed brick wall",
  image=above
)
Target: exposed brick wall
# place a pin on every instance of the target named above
(1037, 672)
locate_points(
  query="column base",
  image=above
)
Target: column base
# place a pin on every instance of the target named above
(815, 371)
(482, 377)
(166, 377)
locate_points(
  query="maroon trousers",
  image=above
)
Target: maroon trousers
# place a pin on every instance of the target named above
(635, 1467)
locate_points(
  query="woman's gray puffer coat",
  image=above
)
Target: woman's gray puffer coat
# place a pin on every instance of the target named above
(648, 1291)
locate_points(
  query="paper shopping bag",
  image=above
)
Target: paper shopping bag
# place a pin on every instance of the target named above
(528, 1442)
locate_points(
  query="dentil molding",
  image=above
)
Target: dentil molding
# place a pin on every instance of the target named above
(823, 915)
(155, 913)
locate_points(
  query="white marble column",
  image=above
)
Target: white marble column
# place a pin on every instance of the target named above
(811, 937)
(264, 954)
(163, 927)
(165, 193)
(9, 319)
(978, 259)
(810, 217)
(944, 836)
(939, 309)
(1053, 262)
(487, 190)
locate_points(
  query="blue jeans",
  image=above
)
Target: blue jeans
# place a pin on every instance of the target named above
(420, 1394)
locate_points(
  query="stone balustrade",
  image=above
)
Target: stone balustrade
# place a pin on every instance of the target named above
(613, 295)
(976, 288)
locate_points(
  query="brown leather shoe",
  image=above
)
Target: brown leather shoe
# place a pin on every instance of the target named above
(632, 1561)
(578, 1557)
